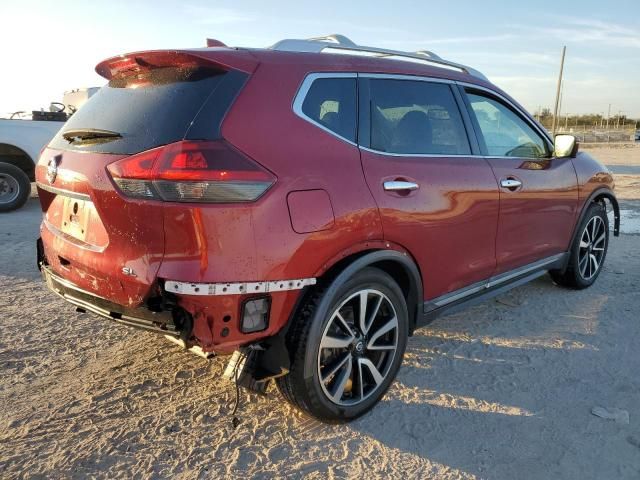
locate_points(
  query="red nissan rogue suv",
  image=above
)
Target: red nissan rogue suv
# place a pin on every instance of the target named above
(307, 206)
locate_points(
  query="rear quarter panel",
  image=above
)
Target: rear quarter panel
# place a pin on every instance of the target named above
(263, 125)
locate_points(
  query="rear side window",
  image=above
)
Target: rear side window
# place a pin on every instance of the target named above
(415, 117)
(331, 103)
(153, 108)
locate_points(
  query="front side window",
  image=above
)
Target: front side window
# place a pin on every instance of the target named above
(415, 117)
(331, 102)
(505, 133)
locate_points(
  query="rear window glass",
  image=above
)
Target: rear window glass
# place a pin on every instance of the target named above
(148, 109)
(415, 117)
(331, 102)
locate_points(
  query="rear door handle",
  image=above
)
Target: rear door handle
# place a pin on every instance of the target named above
(397, 185)
(510, 183)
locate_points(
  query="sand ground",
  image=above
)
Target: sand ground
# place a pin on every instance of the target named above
(502, 390)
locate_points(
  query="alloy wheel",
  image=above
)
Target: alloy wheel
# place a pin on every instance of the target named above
(358, 347)
(593, 243)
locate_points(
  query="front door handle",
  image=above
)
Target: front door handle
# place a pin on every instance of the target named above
(397, 185)
(510, 183)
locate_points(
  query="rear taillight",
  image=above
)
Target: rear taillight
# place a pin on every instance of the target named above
(191, 171)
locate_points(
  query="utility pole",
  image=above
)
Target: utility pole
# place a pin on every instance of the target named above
(608, 116)
(555, 112)
(560, 104)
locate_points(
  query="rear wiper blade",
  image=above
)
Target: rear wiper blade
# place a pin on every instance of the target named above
(82, 134)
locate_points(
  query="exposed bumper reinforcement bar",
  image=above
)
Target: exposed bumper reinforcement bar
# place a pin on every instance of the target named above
(240, 288)
(159, 322)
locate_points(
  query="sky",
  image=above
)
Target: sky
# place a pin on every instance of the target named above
(48, 47)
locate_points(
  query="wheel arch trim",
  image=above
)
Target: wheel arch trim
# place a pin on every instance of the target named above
(595, 196)
(382, 259)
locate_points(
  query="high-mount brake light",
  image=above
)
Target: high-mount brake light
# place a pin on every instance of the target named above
(191, 171)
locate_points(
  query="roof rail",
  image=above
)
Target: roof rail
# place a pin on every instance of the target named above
(336, 43)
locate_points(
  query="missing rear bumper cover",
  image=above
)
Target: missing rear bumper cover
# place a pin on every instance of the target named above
(159, 322)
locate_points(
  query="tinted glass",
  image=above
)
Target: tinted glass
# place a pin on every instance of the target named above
(505, 133)
(149, 109)
(332, 103)
(416, 117)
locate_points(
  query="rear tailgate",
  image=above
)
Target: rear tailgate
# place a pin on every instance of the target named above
(93, 236)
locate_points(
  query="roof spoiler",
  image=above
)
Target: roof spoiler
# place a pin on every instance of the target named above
(222, 59)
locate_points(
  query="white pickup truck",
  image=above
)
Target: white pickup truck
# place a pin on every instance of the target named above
(21, 142)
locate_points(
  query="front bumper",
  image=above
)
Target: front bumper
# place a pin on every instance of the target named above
(159, 322)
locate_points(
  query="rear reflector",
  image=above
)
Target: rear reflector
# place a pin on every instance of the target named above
(191, 171)
(255, 315)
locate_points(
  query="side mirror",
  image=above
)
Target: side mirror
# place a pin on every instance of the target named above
(565, 146)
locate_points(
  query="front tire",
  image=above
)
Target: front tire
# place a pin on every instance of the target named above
(588, 250)
(346, 350)
(15, 187)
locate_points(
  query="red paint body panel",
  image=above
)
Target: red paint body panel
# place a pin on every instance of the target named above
(134, 231)
(536, 220)
(212, 243)
(210, 314)
(310, 211)
(327, 203)
(591, 174)
(448, 224)
(332, 165)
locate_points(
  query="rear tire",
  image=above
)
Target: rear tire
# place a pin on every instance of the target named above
(346, 350)
(588, 250)
(15, 187)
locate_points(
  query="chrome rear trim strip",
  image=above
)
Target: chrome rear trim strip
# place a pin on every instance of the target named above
(77, 242)
(105, 308)
(239, 288)
(62, 191)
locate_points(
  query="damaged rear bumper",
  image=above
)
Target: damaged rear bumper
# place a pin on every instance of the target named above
(266, 361)
(159, 322)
